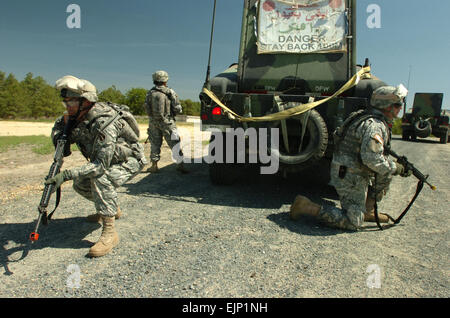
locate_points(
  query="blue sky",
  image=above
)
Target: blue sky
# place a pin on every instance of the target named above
(124, 42)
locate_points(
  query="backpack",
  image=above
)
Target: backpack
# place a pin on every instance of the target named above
(115, 112)
(358, 117)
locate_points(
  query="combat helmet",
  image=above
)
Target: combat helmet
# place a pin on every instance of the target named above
(160, 77)
(385, 96)
(71, 86)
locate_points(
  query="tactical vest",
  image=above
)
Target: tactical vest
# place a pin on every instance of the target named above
(97, 120)
(170, 95)
(347, 142)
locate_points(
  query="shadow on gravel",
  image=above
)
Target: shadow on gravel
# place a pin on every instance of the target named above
(310, 226)
(251, 190)
(60, 233)
(305, 226)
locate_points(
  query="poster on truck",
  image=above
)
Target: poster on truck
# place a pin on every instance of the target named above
(301, 26)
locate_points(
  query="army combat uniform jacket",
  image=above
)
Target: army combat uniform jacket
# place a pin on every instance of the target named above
(113, 152)
(359, 168)
(162, 104)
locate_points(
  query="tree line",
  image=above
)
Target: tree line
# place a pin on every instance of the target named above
(33, 97)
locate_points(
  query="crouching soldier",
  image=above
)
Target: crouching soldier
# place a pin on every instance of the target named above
(360, 171)
(107, 136)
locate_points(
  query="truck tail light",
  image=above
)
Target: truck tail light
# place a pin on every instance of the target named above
(217, 111)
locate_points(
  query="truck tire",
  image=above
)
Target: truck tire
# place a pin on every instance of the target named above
(222, 173)
(405, 135)
(444, 137)
(315, 141)
(422, 128)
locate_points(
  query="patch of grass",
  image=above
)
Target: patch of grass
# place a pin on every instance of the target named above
(32, 120)
(41, 145)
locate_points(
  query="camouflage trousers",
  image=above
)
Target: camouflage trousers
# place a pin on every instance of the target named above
(156, 132)
(353, 190)
(102, 190)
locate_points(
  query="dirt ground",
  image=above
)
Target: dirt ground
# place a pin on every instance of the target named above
(22, 171)
(181, 236)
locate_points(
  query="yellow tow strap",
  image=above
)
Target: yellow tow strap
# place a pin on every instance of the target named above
(292, 111)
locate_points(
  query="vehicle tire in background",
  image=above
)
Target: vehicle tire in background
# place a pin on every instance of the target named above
(405, 135)
(444, 137)
(422, 128)
(222, 173)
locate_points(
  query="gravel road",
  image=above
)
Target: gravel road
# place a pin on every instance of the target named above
(183, 237)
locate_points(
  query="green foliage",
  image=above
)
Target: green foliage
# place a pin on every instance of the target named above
(190, 108)
(135, 99)
(12, 99)
(35, 98)
(2, 78)
(32, 97)
(397, 127)
(41, 98)
(112, 95)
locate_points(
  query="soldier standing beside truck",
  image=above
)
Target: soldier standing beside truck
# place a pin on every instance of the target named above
(162, 104)
(361, 172)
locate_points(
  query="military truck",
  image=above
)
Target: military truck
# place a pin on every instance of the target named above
(291, 52)
(426, 118)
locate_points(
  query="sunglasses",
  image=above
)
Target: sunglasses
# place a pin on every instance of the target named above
(71, 102)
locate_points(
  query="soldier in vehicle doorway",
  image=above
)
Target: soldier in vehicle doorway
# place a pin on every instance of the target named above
(360, 171)
(162, 104)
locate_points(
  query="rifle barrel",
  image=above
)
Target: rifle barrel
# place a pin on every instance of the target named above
(403, 160)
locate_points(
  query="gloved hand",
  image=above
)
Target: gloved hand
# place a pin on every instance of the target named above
(402, 171)
(178, 109)
(59, 179)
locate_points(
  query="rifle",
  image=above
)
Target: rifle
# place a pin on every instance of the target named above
(419, 175)
(410, 167)
(49, 188)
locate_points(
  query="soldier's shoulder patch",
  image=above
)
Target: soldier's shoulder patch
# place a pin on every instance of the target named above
(378, 138)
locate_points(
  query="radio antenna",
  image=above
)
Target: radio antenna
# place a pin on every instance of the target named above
(210, 48)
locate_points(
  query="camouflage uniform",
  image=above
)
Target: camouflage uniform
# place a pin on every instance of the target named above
(162, 105)
(114, 157)
(359, 168)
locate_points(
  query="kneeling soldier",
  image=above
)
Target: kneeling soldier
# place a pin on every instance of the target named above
(360, 171)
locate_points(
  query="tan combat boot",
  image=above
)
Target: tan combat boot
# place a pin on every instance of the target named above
(95, 218)
(369, 216)
(154, 168)
(303, 206)
(107, 240)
